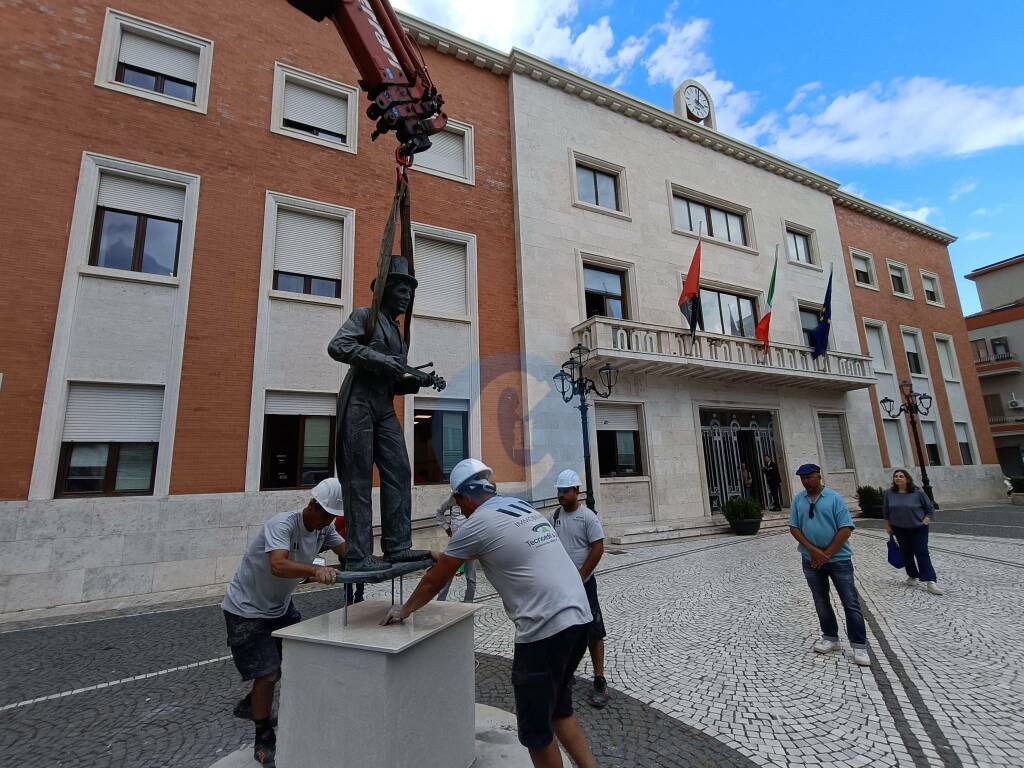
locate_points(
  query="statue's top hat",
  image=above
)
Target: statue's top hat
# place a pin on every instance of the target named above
(398, 271)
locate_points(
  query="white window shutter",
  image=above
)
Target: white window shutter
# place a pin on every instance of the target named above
(894, 443)
(307, 244)
(833, 443)
(311, 106)
(114, 413)
(128, 193)
(300, 404)
(876, 347)
(446, 154)
(613, 417)
(159, 56)
(441, 273)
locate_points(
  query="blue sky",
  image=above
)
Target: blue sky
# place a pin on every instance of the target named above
(915, 105)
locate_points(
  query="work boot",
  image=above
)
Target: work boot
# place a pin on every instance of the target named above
(368, 563)
(599, 696)
(408, 556)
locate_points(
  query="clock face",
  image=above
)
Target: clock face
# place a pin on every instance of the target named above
(697, 102)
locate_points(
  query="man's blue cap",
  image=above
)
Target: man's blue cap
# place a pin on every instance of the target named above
(808, 469)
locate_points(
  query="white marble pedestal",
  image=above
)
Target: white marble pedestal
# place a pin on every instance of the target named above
(368, 696)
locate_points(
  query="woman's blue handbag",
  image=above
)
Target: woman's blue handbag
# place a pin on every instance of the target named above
(895, 553)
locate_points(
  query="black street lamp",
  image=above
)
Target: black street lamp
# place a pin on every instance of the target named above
(572, 381)
(914, 403)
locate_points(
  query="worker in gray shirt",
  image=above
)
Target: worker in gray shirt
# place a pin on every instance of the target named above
(450, 518)
(259, 599)
(581, 534)
(542, 594)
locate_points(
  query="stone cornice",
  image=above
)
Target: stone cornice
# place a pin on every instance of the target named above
(445, 41)
(876, 211)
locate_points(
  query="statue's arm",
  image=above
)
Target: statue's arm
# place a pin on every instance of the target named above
(347, 345)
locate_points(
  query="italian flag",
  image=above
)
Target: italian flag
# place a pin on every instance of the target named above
(766, 320)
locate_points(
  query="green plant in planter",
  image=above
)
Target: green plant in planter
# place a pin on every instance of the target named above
(870, 500)
(742, 508)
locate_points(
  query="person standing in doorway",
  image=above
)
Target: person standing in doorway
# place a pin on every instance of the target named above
(582, 535)
(774, 481)
(820, 521)
(908, 512)
(450, 519)
(748, 481)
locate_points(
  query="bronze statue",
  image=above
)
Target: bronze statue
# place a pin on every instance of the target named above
(368, 432)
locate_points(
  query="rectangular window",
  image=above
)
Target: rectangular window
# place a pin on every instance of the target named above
(696, 216)
(442, 271)
(308, 253)
(598, 188)
(1000, 348)
(947, 359)
(931, 443)
(863, 274)
(964, 441)
(618, 440)
(605, 292)
(894, 442)
(833, 442)
(932, 292)
(298, 451)
(728, 313)
(137, 225)
(898, 277)
(876, 347)
(914, 361)
(980, 348)
(799, 246)
(994, 406)
(110, 440)
(313, 108)
(808, 322)
(440, 439)
(450, 154)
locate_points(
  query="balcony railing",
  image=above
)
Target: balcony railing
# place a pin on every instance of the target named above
(995, 420)
(997, 365)
(657, 349)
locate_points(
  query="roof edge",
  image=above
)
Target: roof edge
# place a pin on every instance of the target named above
(890, 216)
(995, 267)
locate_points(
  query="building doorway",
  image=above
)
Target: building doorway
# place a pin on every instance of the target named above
(734, 441)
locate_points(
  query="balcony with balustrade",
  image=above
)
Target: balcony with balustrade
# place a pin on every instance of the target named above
(1000, 364)
(644, 348)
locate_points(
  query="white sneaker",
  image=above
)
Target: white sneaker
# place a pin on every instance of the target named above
(911, 582)
(861, 658)
(934, 588)
(826, 646)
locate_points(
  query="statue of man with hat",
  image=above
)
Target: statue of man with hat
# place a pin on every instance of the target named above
(368, 432)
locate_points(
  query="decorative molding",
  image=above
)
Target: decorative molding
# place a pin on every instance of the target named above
(881, 213)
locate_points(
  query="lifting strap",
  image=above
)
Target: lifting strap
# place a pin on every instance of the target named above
(401, 211)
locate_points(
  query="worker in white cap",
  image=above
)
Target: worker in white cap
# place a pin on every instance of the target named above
(543, 595)
(582, 535)
(259, 598)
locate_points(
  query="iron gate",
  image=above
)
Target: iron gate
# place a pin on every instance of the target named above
(724, 456)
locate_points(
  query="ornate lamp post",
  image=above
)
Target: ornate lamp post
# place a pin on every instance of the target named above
(572, 381)
(914, 403)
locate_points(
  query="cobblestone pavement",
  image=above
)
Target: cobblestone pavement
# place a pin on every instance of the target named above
(708, 656)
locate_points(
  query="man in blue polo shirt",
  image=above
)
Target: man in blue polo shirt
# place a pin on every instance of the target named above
(820, 521)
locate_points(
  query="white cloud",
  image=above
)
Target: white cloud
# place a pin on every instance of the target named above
(978, 235)
(802, 93)
(964, 188)
(921, 213)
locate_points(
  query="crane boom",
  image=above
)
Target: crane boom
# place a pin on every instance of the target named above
(392, 72)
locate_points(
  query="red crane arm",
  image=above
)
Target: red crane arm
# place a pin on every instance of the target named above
(392, 71)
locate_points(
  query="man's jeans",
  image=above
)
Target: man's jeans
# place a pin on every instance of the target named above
(841, 573)
(470, 584)
(914, 545)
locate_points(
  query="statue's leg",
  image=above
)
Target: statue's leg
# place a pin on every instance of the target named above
(355, 472)
(395, 486)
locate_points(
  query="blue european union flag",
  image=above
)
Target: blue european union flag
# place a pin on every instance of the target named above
(821, 330)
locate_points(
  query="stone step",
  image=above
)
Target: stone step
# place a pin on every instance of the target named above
(685, 529)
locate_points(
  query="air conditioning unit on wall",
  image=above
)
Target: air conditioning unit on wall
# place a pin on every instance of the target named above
(1014, 403)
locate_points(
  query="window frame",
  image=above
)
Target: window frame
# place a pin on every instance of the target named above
(623, 275)
(947, 342)
(844, 432)
(700, 198)
(812, 245)
(736, 293)
(939, 300)
(161, 80)
(140, 241)
(110, 471)
(466, 239)
(889, 264)
(107, 66)
(987, 357)
(469, 146)
(599, 166)
(804, 306)
(708, 208)
(307, 289)
(300, 453)
(283, 74)
(431, 406)
(1004, 342)
(856, 253)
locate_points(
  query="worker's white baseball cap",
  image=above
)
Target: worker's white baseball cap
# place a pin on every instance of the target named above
(467, 470)
(328, 495)
(568, 479)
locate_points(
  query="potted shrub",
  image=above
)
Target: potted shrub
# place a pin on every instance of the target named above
(744, 515)
(870, 500)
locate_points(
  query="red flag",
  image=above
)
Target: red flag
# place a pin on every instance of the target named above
(689, 299)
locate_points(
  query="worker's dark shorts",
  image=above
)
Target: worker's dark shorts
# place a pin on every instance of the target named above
(255, 652)
(542, 675)
(595, 629)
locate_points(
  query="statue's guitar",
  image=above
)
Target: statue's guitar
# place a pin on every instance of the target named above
(436, 381)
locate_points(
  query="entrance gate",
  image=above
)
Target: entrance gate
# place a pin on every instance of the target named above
(746, 438)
